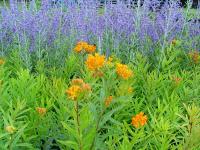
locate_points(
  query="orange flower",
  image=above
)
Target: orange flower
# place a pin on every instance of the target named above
(83, 44)
(2, 61)
(108, 101)
(123, 71)
(86, 87)
(130, 90)
(139, 120)
(10, 129)
(177, 80)
(95, 62)
(73, 92)
(194, 56)
(80, 46)
(78, 87)
(90, 48)
(41, 111)
(78, 49)
(77, 81)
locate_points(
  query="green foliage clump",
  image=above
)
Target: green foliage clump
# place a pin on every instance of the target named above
(37, 112)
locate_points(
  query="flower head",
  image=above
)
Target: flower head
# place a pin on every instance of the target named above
(123, 71)
(78, 49)
(86, 87)
(130, 90)
(95, 62)
(108, 101)
(194, 56)
(73, 92)
(77, 81)
(139, 120)
(81, 46)
(10, 129)
(41, 111)
(177, 80)
(78, 87)
(90, 48)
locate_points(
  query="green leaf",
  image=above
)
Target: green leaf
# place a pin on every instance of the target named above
(69, 144)
(72, 131)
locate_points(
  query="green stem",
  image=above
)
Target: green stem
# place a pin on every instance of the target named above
(78, 123)
(10, 143)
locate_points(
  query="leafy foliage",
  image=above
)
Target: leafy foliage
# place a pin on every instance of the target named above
(37, 114)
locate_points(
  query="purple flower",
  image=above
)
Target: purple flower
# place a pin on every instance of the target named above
(42, 27)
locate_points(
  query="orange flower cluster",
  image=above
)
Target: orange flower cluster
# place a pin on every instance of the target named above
(108, 101)
(90, 48)
(139, 120)
(95, 62)
(177, 80)
(73, 92)
(2, 61)
(123, 71)
(81, 46)
(77, 81)
(41, 111)
(78, 86)
(194, 56)
(10, 129)
(130, 90)
(86, 87)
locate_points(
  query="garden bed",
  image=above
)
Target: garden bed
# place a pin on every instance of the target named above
(79, 77)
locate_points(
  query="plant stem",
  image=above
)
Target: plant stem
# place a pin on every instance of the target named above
(10, 143)
(78, 124)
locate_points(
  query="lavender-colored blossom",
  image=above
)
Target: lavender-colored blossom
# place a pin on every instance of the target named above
(108, 27)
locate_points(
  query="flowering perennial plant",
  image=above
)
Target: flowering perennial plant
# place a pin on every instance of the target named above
(77, 81)
(81, 46)
(108, 101)
(41, 111)
(37, 42)
(123, 71)
(194, 56)
(177, 80)
(35, 28)
(73, 92)
(139, 120)
(90, 116)
(78, 87)
(95, 62)
(10, 129)
(130, 90)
